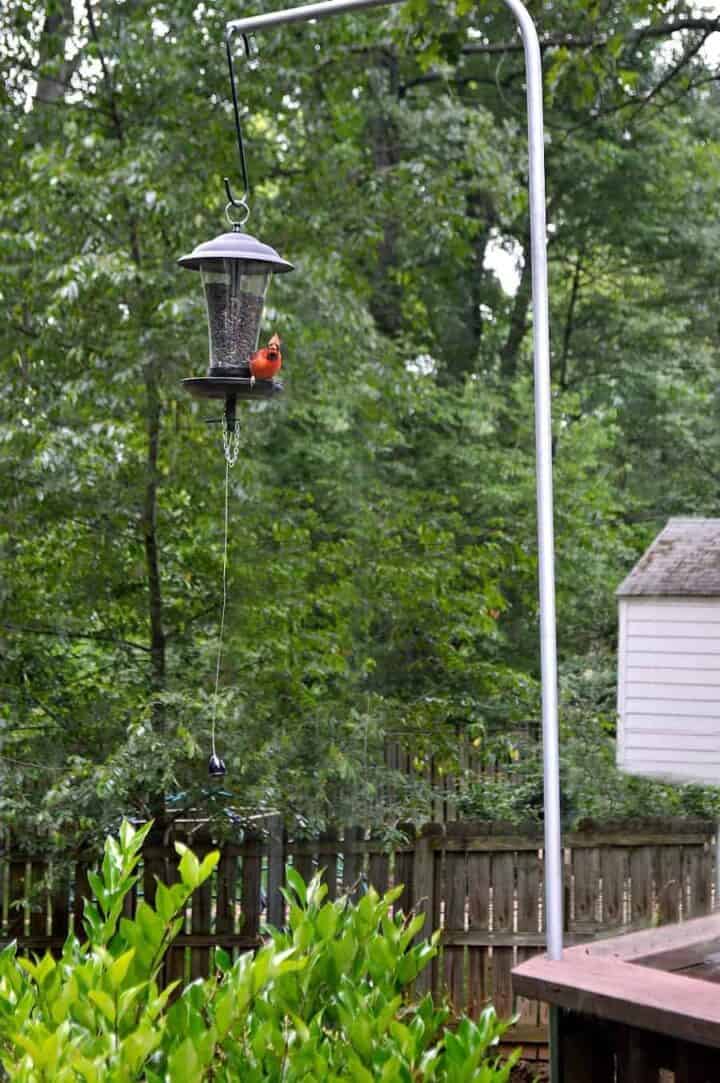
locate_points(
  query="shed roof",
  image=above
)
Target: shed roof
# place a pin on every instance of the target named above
(684, 559)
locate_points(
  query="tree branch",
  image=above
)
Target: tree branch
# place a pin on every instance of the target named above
(570, 321)
(107, 77)
(64, 633)
(691, 51)
(597, 41)
(519, 314)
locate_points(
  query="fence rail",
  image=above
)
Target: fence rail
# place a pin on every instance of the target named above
(481, 883)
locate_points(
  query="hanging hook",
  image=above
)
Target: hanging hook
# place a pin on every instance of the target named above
(239, 203)
(233, 201)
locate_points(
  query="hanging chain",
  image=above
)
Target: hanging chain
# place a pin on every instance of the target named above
(231, 441)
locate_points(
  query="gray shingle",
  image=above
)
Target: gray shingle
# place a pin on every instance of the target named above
(684, 559)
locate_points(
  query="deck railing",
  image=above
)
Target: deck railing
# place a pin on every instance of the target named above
(638, 1008)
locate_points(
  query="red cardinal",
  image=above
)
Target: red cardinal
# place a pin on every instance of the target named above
(265, 363)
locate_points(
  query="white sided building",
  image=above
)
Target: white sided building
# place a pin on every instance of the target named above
(669, 657)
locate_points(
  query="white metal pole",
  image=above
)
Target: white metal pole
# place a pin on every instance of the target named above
(543, 430)
(543, 470)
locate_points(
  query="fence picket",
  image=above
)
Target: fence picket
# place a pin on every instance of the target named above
(59, 908)
(641, 885)
(527, 868)
(379, 870)
(17, 890)
(478, 874)
(176, 957)
(352, 857)
(226, 889)
(38, 899)
(612, 871)
(81, 893)
(697, 873)
(329, 861)
(303, 860)
(455, 894)
(404, 863)
(424, 898)
(251, 883)
(670, 889)
(586, 894)
(276, 871)
(201, 917)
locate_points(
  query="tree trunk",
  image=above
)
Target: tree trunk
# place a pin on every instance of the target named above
(54, 70)
(510, 352)
(386, 299)
(479, 207)
(570, 321)
(152, 564)
(153, 414)
(149, 528)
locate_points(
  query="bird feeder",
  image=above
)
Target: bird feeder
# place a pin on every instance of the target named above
(235, 269)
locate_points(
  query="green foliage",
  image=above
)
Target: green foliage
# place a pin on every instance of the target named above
(591, 787)
(325, 1000)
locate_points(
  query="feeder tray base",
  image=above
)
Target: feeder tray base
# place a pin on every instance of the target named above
(220, 387)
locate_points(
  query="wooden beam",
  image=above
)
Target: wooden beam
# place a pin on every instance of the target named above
(646, 944)
(623, 992)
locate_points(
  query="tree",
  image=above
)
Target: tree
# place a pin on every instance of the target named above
(382, 577)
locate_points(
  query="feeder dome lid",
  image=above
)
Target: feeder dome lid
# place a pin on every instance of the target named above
(237, 246)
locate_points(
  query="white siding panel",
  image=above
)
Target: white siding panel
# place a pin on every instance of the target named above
(673, 629)
(674, 659)
(662, 705)
(677, 724)
(670, 755)
(668, 741)
(668, 674)
(708, 773)
(685, 693)
(672, 609)
(675, 644)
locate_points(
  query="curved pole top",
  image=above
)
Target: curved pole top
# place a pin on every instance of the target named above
(327, 8)
(301, 14)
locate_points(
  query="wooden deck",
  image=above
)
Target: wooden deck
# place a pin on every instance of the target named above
(637, 1008)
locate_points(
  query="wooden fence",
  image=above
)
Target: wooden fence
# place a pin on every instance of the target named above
(482, 883)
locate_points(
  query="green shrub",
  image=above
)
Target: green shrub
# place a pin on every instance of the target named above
(591, 786)
(326, 1000)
